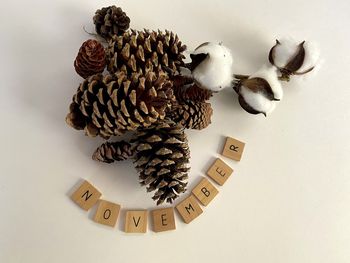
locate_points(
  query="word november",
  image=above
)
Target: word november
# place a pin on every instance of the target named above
(136, 221)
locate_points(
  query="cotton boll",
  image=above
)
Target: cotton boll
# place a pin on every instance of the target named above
(257, 101)
(260, 92)
(284, 50)
(212, 66)
(312, 56)
(270, 74)
(294, 58)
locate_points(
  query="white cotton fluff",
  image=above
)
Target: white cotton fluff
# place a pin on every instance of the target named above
(215, 72)
(270, 74)
(288, 47)
(312, 56)
(257, 101)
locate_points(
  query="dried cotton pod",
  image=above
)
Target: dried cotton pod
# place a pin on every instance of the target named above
(211, 66)
(293, 58)
(260, 92)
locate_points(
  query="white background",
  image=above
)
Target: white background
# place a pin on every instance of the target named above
(288, 200)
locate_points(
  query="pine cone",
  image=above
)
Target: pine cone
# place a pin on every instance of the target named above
(192, 115)
(91, 59)
(192, 93)
(162, 157)
(110, 21)
(111, 105)
(109, 152)
(144, 51)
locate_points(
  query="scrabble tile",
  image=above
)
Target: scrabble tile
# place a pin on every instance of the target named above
(189, 209)
(86, 195)
(107, 213)
(136, 221)
(205, 191)
(163, 219)
(233, 149)
(219, 171)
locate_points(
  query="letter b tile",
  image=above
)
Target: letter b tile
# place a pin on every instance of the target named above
(205, 191)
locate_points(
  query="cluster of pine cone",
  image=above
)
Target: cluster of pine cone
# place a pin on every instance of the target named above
(143, 92)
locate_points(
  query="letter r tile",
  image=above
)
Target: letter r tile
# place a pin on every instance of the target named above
(233, 149)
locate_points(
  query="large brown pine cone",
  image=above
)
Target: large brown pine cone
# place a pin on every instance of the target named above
(109, 152)
(91, 59)
(162, 156)
(192, 115)
(111, 105)
(110, 21)
(144, 51)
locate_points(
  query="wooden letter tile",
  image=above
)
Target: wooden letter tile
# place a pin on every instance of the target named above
(233, 149)
(205, 191)
(86, 195)
(189, 209)
(163, 219)
(107, 213)
(136, 221)
(219, 171)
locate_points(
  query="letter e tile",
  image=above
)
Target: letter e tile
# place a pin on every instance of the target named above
(219, 171)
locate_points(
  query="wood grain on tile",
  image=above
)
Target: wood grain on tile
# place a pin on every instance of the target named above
(136, 221)
(86, 195)
(163, 219)
(189, 209)
(107, 213)
(219, 171)
(205, 191)
(233, 149)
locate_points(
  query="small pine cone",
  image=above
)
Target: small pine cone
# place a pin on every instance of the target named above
(91, 59)
(192, 93)
(109, 152)
(110, 21)
(144, 51)
(192, 115)
(111, 105)
(162, 156)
